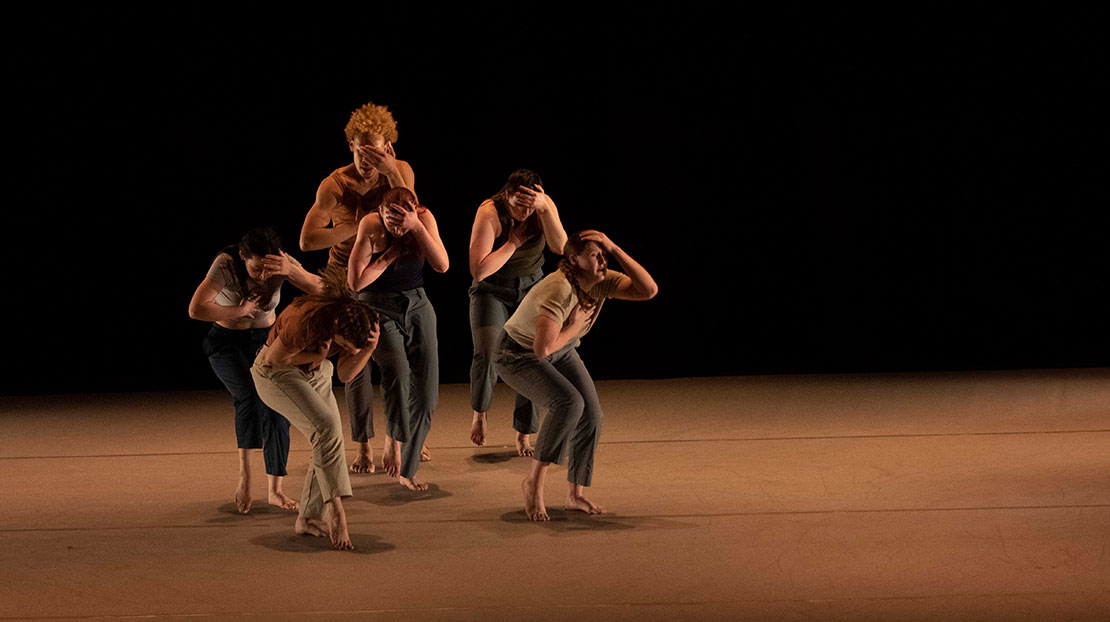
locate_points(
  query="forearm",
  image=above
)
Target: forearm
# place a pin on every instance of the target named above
(547, 343)
(303, 279)
(325, 237)
(493, 261)
(359, 277)
(433, 249)
(349, 365)
(641, 280)
(553, 232)
(212, 312)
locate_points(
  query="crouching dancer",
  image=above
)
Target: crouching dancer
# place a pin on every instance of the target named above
(537, 357)
(292, 374)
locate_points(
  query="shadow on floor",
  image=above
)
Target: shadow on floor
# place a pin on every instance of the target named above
(392, 494)
(565, 522)
(287, 542)
(496, 457)
(259, 511)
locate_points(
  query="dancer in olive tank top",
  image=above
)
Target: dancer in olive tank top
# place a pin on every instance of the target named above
(507, 240)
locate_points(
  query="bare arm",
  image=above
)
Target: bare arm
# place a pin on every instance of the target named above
(550, 338)
(422, 224)
(315, 232)
(553, 232)
(292, 269)
(360, 270)
(350, 363)
(484, 261)
(203, 305)
(639, 285)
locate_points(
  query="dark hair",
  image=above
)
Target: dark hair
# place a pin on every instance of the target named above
(401, 194)
(254, 243)
(575, 245)
(519, 177)
(354, 319)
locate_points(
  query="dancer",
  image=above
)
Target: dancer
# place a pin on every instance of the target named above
(345, 196)
(538, 358)
(239, 296)
(293, 376)
(506, 260)
(387, 260)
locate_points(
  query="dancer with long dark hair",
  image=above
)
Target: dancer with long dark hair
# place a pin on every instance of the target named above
(510, 231)
(292, 374)
(343, 198)
(538, 358)
(386, 267)
(239, 295)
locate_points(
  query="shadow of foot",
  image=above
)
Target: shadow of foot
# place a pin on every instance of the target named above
(292, 543)
(392, 494)
(496, 457)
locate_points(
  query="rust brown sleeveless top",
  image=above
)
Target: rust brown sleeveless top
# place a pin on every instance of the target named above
(351, 207)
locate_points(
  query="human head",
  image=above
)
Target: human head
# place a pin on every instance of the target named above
(354, 322)
(399, 196)
(256, 244)
(510, 197)
(372, 126)
(584, 255)
(584, 265)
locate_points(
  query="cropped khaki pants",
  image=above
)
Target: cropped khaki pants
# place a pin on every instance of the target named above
(307, 401)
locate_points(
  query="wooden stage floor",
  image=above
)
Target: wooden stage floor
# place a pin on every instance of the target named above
(957, 496)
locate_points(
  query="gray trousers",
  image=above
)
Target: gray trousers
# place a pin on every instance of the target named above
(306, 400)
(408, 356)
(560, 383)
(492, 301)
(359, 394)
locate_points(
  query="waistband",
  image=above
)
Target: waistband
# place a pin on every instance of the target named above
(216, 328)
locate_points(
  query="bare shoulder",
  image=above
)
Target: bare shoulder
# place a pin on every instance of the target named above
(487, 213)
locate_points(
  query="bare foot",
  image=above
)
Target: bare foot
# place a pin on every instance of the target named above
(523, 446)
(478, 429)
(583, 504)
(279, 499)
(391, 458)
(310, 527)
(337, 531)
(533, 500)
(425, 453)
(363, 464)
(243, 497)
(412, 484)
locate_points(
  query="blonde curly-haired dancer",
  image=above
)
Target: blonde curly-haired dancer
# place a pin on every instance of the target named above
(343, 198)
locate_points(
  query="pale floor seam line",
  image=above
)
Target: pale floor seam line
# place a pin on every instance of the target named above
(578, 519)
(632, 442)
(739, 601)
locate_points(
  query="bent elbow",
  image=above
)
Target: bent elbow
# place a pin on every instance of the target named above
(651, 292)
(441, 266)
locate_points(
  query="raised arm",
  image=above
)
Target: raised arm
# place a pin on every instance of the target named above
(484, 260)
(203, 305)
(553, 232)
(360, 270)
(315, 232)
(292, 269)
(639, 285)
(350, 363)
(420, 222)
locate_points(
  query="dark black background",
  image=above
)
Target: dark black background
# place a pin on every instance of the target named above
(815, 190)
